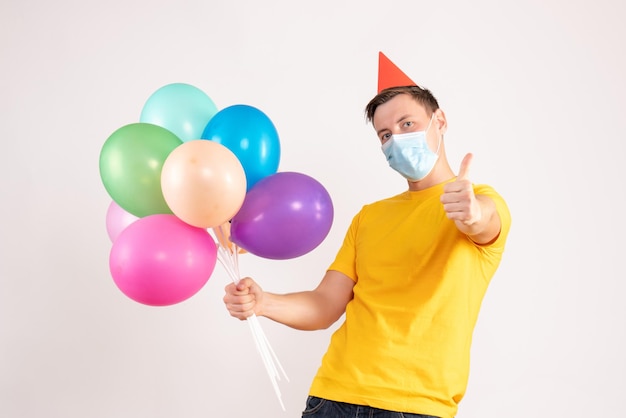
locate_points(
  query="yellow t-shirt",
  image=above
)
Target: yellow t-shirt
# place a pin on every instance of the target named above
(419, 284)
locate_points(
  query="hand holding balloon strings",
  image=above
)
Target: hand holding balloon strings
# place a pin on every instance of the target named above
(228, 256)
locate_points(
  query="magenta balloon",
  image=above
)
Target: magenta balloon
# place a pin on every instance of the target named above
(117, 220)
(160, 260)
(284, 215)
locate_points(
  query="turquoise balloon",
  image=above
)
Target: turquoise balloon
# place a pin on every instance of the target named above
(181, 108)
(251, 136)
(131, 160)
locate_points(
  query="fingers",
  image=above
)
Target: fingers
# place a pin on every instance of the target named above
(465, 167)
(457, 204)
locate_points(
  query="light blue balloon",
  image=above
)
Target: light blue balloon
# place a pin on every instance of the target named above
(251, 136)
(180, 108)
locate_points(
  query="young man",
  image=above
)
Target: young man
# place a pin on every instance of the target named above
(410, 276)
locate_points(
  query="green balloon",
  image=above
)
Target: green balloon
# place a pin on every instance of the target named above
(130, 167)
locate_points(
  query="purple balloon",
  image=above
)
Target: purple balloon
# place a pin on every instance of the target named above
(285, 215)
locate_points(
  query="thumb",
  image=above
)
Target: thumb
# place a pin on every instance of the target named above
(244, 284)
(465, 167)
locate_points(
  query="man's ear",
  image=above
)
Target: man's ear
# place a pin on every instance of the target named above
(440, 121)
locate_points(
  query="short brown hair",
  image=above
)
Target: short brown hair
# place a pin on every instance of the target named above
(420, 94)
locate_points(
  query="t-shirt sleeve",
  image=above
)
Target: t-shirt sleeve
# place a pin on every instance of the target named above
(504, 213)
(345, 260)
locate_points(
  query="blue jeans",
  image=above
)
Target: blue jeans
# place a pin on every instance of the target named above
(323, 408)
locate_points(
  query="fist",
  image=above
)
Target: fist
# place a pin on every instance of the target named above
(458, 199)
(241, 299)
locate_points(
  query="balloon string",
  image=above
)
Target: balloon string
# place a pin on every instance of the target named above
(229, 259)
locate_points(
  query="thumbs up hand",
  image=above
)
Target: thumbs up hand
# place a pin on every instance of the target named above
(459, 201)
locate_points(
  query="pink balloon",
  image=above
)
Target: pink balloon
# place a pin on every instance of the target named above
(117, 220)
(160, 260)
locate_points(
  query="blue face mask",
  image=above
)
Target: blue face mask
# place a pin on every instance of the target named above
(410, 155)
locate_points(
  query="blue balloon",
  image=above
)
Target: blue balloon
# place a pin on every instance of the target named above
(180, 108)
(251, 136)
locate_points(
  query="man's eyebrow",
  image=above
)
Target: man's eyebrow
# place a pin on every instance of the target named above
(381, 131)
(403, 117)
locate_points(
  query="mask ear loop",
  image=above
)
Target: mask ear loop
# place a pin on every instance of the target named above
(438, 142)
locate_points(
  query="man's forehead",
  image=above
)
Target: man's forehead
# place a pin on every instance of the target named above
(398, 110)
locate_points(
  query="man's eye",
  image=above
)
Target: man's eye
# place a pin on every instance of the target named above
(408, 124)
(385, 137)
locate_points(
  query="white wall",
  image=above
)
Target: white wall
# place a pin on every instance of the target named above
(534, 89)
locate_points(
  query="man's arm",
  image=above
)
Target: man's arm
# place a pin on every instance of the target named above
(308, 310)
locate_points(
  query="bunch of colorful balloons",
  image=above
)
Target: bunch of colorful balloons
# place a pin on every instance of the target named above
(187, 169)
